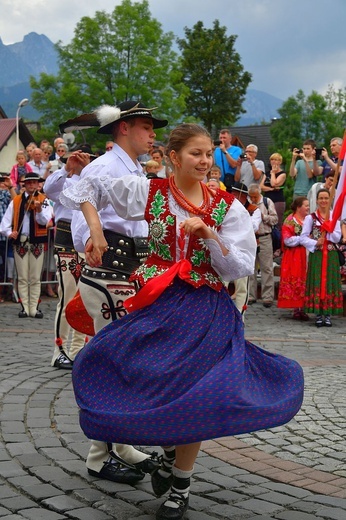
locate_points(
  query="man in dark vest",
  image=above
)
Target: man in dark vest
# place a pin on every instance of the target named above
(25, 223)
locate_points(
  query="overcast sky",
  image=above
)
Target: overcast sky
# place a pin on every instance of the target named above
(286, 45)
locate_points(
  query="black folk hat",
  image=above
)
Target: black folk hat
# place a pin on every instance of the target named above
(31, 176)
(239, 186)
(106, 116)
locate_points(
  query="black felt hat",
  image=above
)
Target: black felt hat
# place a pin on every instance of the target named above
(108, 115)
(105, 116)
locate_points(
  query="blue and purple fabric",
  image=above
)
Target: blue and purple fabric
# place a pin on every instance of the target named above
(180, 371)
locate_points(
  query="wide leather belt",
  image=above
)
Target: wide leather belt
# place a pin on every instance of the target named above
(63, 237)
(125, 254)
(105, 274)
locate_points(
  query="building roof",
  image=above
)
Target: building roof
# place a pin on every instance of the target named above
(8, 128)
(257, 134)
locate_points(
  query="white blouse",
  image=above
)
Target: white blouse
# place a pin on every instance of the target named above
(129, 194)
(310, 243)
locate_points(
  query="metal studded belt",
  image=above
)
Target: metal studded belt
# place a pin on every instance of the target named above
(106, 274)
(125, 254)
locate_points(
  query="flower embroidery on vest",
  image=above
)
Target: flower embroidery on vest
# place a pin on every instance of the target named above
(159, 228)
(219, 212)
(198, 257)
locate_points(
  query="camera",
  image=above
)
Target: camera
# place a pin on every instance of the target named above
(217, 142)
(243, 156)
(4, 176)
(318, 152)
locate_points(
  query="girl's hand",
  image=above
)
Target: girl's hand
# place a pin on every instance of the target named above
(196, 226)
(95, 247)
(320, 242)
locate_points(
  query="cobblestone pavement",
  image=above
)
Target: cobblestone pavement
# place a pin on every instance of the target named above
(294, 472)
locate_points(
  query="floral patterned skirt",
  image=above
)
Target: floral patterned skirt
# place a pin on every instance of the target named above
(333, 302)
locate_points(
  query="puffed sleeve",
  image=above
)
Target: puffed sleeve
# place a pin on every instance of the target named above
(128, 194)
(305, 240)
(239, 239)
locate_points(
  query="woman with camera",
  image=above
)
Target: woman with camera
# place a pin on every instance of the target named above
(272, 186)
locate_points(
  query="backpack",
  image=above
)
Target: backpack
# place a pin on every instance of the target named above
(276, 234)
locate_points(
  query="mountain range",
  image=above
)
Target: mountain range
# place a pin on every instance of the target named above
(37, 54)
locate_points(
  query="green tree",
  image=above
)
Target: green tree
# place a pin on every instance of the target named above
(212, 70)
(307, 117)
(112, 58)
(310, 117)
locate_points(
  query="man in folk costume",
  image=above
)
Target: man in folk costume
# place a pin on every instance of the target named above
(69, 263)
(104, 289)
(25, 223)
(240, 191)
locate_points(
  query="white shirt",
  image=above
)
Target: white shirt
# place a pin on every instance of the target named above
(53, 186)
(310, 243)
(113, 164)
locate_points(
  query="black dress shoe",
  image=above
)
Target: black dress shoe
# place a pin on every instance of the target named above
(117, 472)
(63, 361)
(177, 511)
(39, 315)
(319, 322)
(149, 464)
(159, 483)
(22, 314)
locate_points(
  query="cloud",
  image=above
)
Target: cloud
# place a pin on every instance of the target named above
(287, 45)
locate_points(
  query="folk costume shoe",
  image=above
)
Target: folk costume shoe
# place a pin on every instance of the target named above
(162, 477)
(118, 472)
(174, 508)
(161, 484)
(327, 321)
(319, 322)
(150, 464)
(63, 361)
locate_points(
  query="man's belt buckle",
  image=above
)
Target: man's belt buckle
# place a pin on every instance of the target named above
(23, 239)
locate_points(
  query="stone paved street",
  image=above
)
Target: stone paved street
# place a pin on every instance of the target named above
(294, 472)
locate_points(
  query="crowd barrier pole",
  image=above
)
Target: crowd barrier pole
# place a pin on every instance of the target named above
(8, 266)
(48, 272)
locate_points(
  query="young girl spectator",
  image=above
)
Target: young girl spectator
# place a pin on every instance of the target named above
(20, 168)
